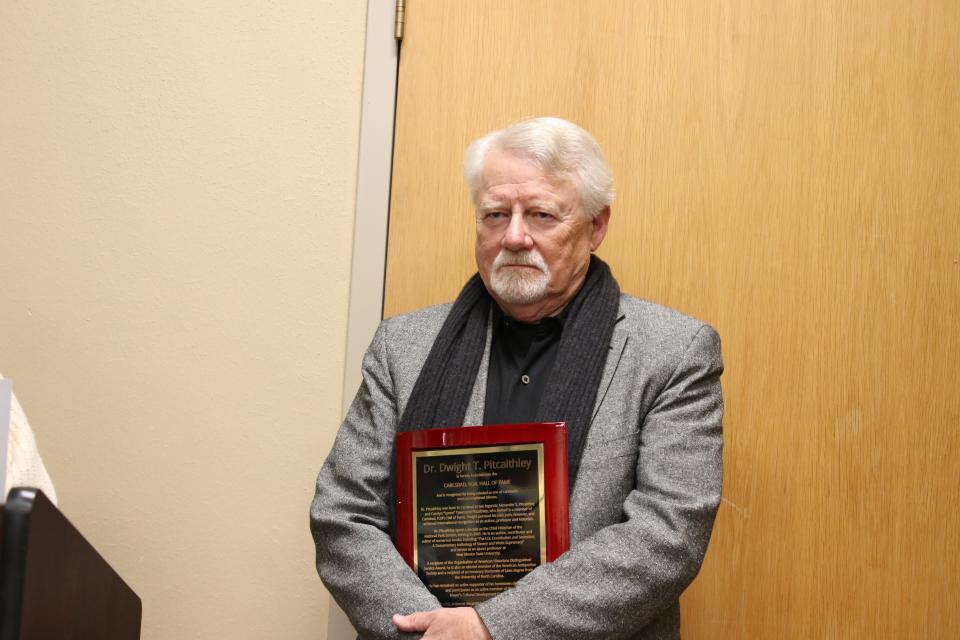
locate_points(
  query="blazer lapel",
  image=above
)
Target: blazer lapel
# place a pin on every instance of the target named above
(618, 342)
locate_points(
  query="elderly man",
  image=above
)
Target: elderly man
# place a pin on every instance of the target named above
(541, 333)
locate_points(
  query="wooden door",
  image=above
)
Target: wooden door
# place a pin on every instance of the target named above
(790, 173)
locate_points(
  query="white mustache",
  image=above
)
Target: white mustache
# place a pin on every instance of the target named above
(531, 258)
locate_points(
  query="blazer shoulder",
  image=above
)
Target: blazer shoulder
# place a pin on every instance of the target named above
(414, 331)
(424, 319)
(654, 322)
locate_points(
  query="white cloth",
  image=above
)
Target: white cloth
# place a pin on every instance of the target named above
(24, 465)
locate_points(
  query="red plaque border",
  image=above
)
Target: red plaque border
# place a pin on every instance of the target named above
(553, 435)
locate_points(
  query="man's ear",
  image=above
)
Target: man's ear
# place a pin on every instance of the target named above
(599, 230)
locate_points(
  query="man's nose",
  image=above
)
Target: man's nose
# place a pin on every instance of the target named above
(516, 236)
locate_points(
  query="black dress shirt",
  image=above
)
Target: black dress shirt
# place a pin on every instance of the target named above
(521, 359)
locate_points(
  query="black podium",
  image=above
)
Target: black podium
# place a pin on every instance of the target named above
(53, 583)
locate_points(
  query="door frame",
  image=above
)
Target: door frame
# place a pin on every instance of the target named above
(372, 204)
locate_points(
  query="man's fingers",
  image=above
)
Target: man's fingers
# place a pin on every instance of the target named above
(418, 621)
(460, 623)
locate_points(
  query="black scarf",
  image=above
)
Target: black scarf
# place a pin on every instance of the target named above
(445, 384)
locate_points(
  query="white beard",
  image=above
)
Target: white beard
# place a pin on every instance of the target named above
(520, 286)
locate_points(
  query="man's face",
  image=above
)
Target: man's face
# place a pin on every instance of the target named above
(533, 237)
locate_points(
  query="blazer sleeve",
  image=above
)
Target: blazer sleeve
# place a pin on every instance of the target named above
(349, 516)
(613, 583)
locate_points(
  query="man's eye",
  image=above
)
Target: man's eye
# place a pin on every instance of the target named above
(494, 215)
(542, 215)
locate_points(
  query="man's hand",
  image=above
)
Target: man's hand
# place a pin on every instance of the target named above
(461, 623)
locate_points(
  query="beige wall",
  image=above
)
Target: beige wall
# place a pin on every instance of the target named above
(176, 209)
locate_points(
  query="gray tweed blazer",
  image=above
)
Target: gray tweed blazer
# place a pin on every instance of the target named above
(641, 511)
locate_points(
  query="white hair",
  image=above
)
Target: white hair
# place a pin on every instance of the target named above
(559, 147)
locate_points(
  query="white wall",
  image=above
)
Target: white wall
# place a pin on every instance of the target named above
(176, 213)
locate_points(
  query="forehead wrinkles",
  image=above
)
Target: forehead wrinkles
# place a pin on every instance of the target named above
(526, 194)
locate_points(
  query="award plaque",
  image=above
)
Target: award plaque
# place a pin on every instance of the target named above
(478, 508)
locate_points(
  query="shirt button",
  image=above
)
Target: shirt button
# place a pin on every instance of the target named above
(525, 379)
